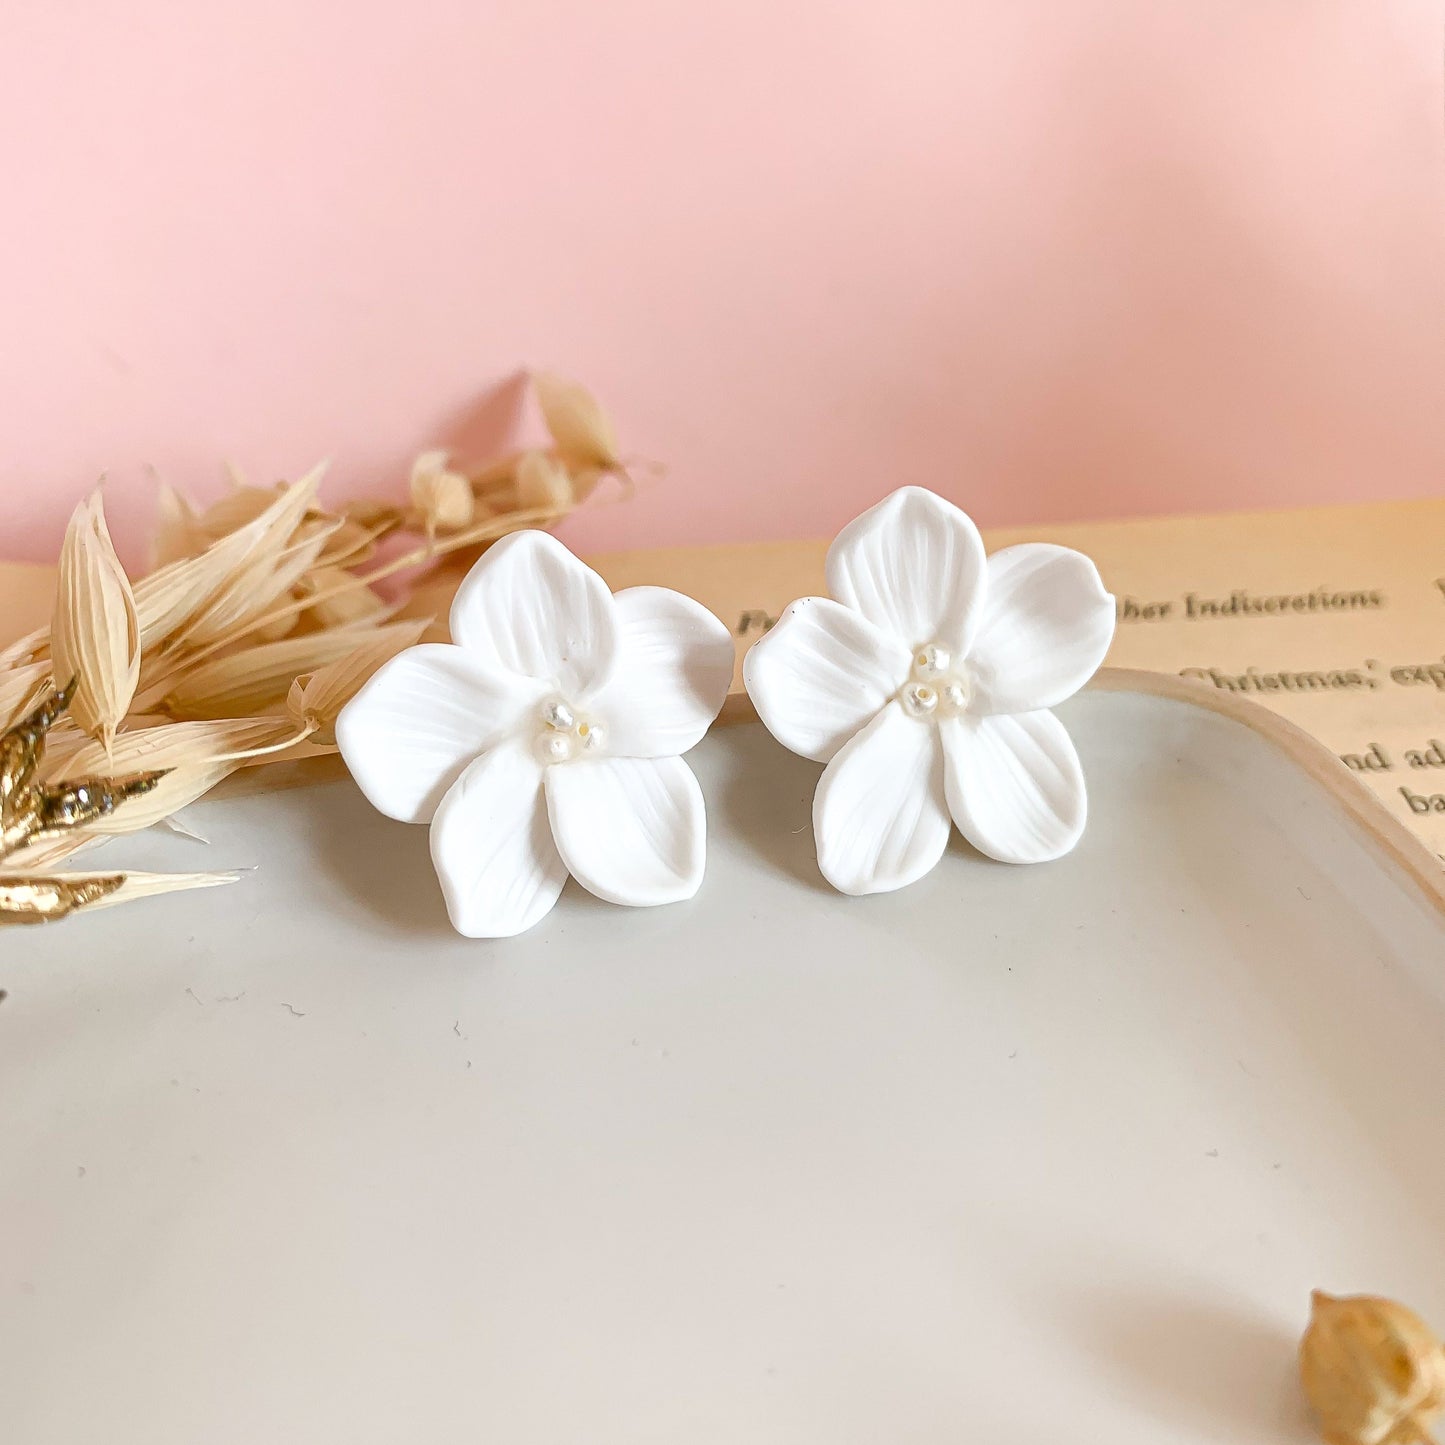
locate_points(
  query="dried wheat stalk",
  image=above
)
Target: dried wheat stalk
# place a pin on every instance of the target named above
(259, 622)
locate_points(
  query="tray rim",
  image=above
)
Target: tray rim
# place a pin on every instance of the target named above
(1390, 837)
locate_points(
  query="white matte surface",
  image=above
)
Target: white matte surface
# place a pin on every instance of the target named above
(1015, 1154)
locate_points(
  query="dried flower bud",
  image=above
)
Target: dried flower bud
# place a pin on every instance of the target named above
(580, 428)
(1373, 1371)
(543, 484)
(443, 497)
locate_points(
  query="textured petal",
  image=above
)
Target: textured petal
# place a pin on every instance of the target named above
(493, 851)
(409, 732)
(674, 667)
(914, 566)
(878, 815)
(820, 674)
(530, 606)
(631, 830)
(1046, 626)
(1015, 787)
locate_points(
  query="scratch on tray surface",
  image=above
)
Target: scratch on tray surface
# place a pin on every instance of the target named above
(295, 1012)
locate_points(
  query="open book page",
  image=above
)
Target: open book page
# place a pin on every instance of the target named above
(1332, 616)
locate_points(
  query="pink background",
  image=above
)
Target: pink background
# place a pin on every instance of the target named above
(1059, 260)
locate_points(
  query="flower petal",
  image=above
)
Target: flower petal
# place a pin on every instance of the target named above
(530, 606)
(914, 566)
(1047, 624)
(409, 732)
(1015, 787)
(820, 674)
(878, 814)
(631, 830)
(674, 667)
(493, 851)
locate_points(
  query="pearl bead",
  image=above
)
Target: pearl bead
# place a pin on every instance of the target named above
(556, 714)
(554, 747)
(954, 696)
(931, 661)
(593, 735)
(920, 699)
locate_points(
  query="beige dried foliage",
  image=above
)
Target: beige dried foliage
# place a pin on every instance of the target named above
(315, 701)
(261, 562)
(239, 507)
(27, 649)
(1373, 1371)
(94, 632)
(187, 744)
(441, 496)
(255, 679)
(544, 484)
(179, 533)
(50, 851)
(350, 543)
(45, 897)
(19, 687)
(197, 599)
(262, 615)
(580, 429)
(179, 788)
(338, 598)
(152, 885)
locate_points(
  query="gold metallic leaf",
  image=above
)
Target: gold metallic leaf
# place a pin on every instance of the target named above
(46, 897)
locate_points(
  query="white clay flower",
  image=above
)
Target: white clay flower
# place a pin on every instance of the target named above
(547, 741)
(925, 687)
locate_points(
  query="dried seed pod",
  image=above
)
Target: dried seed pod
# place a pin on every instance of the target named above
(1372, 1370)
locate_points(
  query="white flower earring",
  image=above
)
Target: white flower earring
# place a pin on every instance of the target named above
(548, 739)
(926, 688)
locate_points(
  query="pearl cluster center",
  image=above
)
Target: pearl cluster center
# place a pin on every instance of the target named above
(936, 687)
(564, 733)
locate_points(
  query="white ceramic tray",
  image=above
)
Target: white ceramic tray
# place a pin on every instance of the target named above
(1017, 1154)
